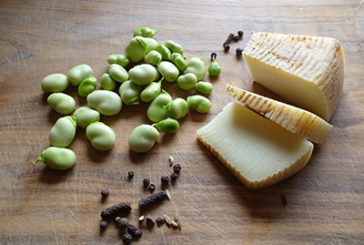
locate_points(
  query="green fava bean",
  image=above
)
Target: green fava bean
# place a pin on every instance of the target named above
(196, 66)
(199, 103)
(101, 136)
(151, 44)
(144, 32)
(107, 82)
(106, 102)
(204, 87)
(153, 58)
(118, 73)
(168, 125)
(136, 49)
(57, 158)
(129, 93)
(61, 103)
(151, 91)
(143, 138)
(143, 74)
(55, 83)
(187, 81)
(179, 61)
(63, 132)
(214, 68)
(174, 47)
(87, 86)
(164, 51)
(118, 59)
(168, 70)
(177, 109)
(85, 116)
(78, 73)
(156, 110)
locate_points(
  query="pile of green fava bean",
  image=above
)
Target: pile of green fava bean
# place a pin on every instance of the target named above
(137, 76)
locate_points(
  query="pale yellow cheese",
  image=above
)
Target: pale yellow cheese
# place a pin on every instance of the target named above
(307, 71)
(258, 151)
(298, 121)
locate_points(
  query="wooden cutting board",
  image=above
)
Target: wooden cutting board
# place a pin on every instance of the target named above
(322, 204)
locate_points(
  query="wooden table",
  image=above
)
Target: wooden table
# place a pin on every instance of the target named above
(322, 204)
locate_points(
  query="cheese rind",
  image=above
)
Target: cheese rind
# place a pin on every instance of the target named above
(307, 71)
(258, 151)
(298, 121)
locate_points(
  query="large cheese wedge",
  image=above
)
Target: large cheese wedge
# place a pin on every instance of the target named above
(298, 121)
(307, 71)
(258, 151)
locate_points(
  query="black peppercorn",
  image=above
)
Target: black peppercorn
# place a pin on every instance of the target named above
(131, 230)
(174, 177)
(177, 168)
(122, 223)
(236, 37)
(130, 174)
(165, 179)
(239, 51)
(115, 209)
(159, 221)
(150, 222)
(151, 187)
(146, 182)
(153, 199)
(103, 225)
(127, 238)
(105, 193)
(240, 33)
(138, 233)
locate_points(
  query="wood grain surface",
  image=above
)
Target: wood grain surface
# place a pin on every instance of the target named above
(322, 204)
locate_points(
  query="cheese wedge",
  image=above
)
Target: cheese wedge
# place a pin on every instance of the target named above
(298, 121)
(258, 151)
(307, 71)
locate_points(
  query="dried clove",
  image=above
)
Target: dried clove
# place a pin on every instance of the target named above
(239, 51)
(240, 33)
(226, 47)
(130, 174)
(228, 39)
(153, 199)
(115, 209)
(122, 223)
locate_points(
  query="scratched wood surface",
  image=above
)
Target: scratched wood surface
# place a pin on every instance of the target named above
(322, 204)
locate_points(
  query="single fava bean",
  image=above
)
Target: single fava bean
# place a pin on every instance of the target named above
(85, 116)
(57, 158)
(61, 103)
(107, 82)
(156, 110)
(187, 81)
(55, 83)
(153, 58)
(87, 86)
(214, 68)
(168, 70)
(150, 92)
(143, 74)
(144, 32)
(136, 49)
(204, 87)
(118, 59)
(118, 73)
(129, 93)
(196, 66)
(164, 51)
(101, 136)
(177, 109)
(106, 102)
(151, 44)
(63, 131)
(179, 61)
(168, 125)
(199, 103)
(174, 47)
(78, 73)
(143, 138)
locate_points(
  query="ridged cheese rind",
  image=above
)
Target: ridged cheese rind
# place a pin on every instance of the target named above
(298, 121)
(257, 151)
(308, 71)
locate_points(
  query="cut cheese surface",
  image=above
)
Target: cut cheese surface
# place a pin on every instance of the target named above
(258, 151)
(298, 121)
(307, 71)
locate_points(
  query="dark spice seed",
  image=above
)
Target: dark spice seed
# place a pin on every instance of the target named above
(159, 221)
(240, 33)
(228, 39)
(239, 51)
(151, 187)
(122, 223)
(153, 199)
(213, 56)
(105, 193)
(165, 179)
(236, 37)
(103, 225)
(174, 177)
(131, 230)
(150, 222)
(177, 168)
(138, 233)
(130, 174)
(226, 47)
(127, 238)
(116, 209)
(146, 182)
